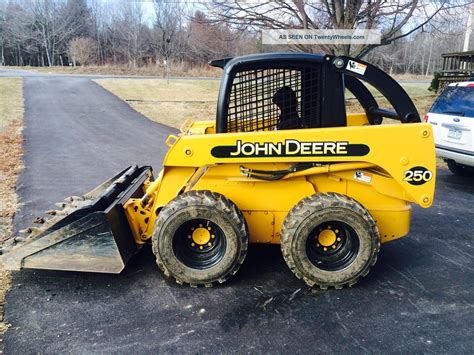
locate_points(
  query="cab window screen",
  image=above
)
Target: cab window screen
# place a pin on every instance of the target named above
(271, 99)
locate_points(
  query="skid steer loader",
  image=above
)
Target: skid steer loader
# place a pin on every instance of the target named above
(283, 163)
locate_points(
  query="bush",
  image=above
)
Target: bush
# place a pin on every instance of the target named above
(434, 86)
(81, 51)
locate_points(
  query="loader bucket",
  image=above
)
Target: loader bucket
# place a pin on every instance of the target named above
(91, 233)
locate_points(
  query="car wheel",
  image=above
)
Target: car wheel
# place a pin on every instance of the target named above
(460, 169)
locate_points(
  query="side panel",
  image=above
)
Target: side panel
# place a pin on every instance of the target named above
(264, 204)
(397, 149)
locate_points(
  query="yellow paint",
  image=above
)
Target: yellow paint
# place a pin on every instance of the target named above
(327, 238)
(265, 204)
(357, 119)
(261, 225)
(201, 236)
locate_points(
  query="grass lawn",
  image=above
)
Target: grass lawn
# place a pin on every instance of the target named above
(168, 103)
(172, 103)
(11, 123)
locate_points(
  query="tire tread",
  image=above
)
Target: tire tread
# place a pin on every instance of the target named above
(304, 208)
(210, 199)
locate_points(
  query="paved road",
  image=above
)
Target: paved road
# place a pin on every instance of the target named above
(418, 297)
(28, 73)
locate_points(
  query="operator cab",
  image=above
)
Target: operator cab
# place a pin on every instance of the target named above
(277, 91)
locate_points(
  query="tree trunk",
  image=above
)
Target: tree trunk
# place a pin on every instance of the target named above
(46, 47)
(429, 57)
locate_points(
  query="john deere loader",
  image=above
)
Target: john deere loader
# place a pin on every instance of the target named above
(283, 163)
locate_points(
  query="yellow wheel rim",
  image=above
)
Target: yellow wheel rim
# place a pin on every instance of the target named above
(201, 236)
(327, 238)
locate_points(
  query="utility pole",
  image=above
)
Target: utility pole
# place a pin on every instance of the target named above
(467, 36)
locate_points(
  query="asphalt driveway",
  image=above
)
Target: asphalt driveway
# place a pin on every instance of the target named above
(418, 297)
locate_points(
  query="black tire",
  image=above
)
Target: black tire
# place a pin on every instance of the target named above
(349, 226)
(205, 261)
(459, 169)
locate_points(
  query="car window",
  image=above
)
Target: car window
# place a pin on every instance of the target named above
(456, 101)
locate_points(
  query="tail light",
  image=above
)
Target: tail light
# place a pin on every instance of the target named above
(425, 118)
(470, 85)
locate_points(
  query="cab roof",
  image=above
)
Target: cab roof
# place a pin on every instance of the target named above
(268, 58)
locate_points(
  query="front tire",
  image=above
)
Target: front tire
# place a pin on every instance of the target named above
(329, 240)
(200, 238)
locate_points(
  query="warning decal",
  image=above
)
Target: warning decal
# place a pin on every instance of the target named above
(364, 177)
(356, 67)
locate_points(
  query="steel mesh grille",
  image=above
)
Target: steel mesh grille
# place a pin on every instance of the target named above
(269, 99)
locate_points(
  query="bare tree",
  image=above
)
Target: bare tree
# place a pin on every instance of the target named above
(129, 32)
(396, 19)
(169, 38)
(38, 32)
(210, 40)
(41, 24)
(51, 26)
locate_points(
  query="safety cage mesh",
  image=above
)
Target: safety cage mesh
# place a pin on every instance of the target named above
(271, 99)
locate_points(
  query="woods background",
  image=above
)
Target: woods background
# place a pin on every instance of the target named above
(186, 34)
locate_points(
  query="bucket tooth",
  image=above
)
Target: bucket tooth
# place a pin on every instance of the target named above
(61, 204)
(31, 231)
(39, 220)
(19, 239)
(56, 213)
(74, 198)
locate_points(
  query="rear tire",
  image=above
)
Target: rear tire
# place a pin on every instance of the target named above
(329, 239)
(460, 169)
(200, 238)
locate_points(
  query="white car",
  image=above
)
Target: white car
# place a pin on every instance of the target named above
(452, 117)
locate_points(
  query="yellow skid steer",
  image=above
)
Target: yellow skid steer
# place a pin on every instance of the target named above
(283, 163)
